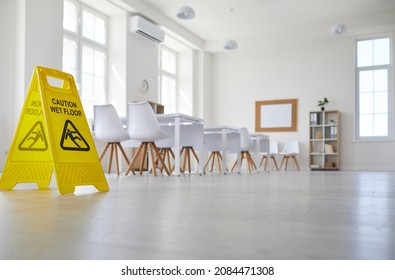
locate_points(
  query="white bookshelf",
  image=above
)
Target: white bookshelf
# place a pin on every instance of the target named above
(324, 140)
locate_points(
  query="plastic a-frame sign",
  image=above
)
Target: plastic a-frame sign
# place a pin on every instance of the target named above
(53, 135)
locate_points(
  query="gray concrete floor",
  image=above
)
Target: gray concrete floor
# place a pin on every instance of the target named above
(278, 215)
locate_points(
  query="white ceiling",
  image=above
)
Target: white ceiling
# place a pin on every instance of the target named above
(252, 17)
(262, 19)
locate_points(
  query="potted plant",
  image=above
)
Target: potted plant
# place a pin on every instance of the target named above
(322, 103)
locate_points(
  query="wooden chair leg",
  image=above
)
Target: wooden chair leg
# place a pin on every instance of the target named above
(134, 159)
(104, 151)
(182, 169)
(116, 157)
(241, 162)
(160, 158)
(195, 155)
(244, 156)
(162, 151)
(123, 153)
(174, 158)
(275, 162)
(212, 164)
(296, 162)
(234, 166)
(110, 161)
(208, 161)
(286, 163)
(167, 154)
(219, 162)
(282, 161)
(151, 152)
(220, 156)
(143, 155)
(189, 160)
(263, 160)
(251, 161)
(184, 166)
(114, 151)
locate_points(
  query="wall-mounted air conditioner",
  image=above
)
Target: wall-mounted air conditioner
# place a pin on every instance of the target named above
(140, 25)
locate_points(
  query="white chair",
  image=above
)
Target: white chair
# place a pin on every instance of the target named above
(165, 147)
(189, 140)
(144, 127)
(190, 136)
(213, 144)
(246, 145)
(273, 153)
(290, 151)
(108, 128)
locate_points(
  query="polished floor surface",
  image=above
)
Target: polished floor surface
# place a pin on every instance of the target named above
(278, 215)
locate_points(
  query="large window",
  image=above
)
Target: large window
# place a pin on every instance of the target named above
(85, 52)
(168, 80)
(374, 94)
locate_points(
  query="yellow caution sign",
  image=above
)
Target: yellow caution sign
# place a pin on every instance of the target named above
(53, 134)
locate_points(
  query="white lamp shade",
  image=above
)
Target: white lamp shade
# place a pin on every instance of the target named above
(186, 12)
(231, 45)
(339, 29)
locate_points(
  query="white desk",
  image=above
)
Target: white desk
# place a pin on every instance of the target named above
(177, 120)
(261, 140)
(225, 132)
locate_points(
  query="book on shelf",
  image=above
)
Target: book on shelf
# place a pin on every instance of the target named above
(314, 118)
(314, 166)
(329, 149)
(333, 132)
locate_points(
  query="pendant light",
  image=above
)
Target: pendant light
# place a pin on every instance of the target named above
(231, 44)
(186, 12)
(339, 28)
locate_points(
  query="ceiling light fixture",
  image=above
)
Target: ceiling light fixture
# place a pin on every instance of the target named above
(231, 44)
(186, 12)
(339, 28)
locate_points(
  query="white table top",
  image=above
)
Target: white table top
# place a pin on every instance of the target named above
(168, 118)
(220, 129)
(259, 135)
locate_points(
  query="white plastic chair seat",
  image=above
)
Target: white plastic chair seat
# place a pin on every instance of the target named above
(273, 153)
(108, 128)
(188, 140)
(144, 127)
(213, 144)
(246, 145)
(290, 151)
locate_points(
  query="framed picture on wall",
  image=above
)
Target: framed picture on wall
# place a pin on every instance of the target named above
(276, 115)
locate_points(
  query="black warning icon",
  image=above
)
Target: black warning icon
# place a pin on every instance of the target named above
(35, 139)
(72, 140)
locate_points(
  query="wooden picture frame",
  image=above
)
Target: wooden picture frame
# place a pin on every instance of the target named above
(276, 115)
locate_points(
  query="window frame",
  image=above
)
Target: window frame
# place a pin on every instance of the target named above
(164, 73)
(358, 70)
(81, 40)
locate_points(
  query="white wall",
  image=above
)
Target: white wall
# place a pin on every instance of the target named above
(7, 53)
(142, 63)
(308, 71)
(117, 62)
(203, 99)
(32, 34)
(185, 82)
(43, 35)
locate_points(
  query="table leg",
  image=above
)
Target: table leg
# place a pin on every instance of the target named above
(177, 147)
